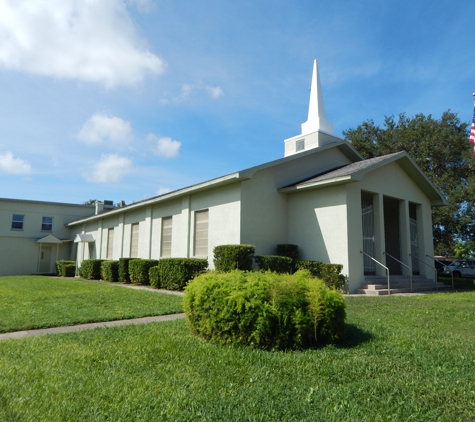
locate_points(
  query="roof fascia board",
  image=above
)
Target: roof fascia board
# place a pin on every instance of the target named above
(321, 184)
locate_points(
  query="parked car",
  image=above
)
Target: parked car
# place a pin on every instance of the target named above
(461, 268)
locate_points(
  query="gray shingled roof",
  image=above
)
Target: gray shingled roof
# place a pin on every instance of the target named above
(347, 170)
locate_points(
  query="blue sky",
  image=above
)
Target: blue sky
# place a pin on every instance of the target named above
(128, 99)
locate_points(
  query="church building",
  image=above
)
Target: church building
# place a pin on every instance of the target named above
(367, 215)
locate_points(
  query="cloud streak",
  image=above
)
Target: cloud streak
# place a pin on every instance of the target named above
(87, 40)
(11, 165)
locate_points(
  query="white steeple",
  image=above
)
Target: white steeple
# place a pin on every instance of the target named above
(317, 120)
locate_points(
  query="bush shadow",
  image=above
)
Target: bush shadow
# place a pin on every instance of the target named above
(354, 336)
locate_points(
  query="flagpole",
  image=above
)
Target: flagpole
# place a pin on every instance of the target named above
(472, 127)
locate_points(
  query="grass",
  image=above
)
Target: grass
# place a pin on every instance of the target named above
(29, 302)
(404, 359)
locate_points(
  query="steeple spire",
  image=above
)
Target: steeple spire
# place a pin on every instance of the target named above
(317, 120)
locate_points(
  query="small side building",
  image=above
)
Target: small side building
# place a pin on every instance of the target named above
(34, 234)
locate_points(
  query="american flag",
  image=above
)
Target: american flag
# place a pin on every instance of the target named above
(472, 130)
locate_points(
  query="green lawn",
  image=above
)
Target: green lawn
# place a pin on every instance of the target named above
(29, 302)
(404, 359)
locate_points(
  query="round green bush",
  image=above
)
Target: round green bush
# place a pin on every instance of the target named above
(264, 310)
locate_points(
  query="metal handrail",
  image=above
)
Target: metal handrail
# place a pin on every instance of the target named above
(435, 269)
(384, 266)
(402, 263)
(445, 265)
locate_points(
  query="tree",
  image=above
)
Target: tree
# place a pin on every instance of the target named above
(441, 149)
(90, 202)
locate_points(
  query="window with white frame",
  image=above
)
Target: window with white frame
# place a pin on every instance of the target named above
(134, 241)
(166, 246)
(17, 221)
(46, 224)
(110, 244)
(201, 233)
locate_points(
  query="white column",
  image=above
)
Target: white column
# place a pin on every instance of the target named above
(405, 235)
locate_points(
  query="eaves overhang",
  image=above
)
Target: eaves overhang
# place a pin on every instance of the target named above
(318, 185)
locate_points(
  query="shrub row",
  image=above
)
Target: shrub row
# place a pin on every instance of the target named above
(264, 310)
(91, 269)
(124, 270)
(66, 268)
(138, 270)
(110, 271)
(276, 263)
(168, 273)
(175, 273)
(232, 257)
(329, 273)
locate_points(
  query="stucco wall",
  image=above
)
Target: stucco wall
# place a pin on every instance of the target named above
(264, 210)
(318, 225)
(224, 222)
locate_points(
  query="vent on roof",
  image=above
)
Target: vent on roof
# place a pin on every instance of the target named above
(103, 206)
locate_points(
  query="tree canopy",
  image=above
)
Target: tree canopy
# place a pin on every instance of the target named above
(441, 149)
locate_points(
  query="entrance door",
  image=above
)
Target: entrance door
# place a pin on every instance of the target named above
(414, 239)
(45, 259)
(367, 213)
(392, 241)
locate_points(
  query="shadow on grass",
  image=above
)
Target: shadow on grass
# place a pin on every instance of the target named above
(354, 336)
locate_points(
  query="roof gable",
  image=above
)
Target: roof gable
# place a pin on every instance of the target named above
(355, 172)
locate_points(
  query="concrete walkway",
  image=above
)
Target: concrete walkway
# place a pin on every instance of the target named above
(90, 326)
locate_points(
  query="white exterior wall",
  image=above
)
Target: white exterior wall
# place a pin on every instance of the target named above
(223, 204)
(318, 224)
(19, 250)
(264, 210)
(224, 207)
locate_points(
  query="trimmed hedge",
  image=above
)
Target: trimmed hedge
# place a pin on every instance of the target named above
(91, 269)
(68, 270)
(138, 270)
(61, 263)
(124, 276)
(278, 264)
(329, 273)
(264, 310)
(110, 270)
(232, 257)
(175, 273)
(154, 276)
(289, 250)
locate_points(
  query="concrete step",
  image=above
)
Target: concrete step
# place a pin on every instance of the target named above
(382, 289)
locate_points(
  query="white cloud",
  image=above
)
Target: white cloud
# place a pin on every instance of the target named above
(215, 92)
(164, 147)
(87, 40)
(109, 169)
(11, 165)
(188, 89)
(102, 127)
